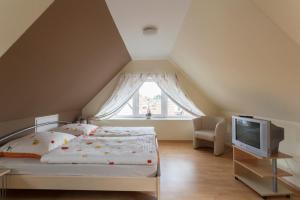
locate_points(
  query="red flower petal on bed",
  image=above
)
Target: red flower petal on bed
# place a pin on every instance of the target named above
(111, 163)
(149, 161)
(88, 143)
(91, 134)
(52, 141)
(64, 148)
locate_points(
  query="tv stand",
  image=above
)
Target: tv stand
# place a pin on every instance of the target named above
(260, 173)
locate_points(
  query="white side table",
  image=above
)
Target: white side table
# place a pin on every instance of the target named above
(3, 183)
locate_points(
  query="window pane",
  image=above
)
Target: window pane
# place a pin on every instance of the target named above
(127, 109)
(175, 111)
(150, 96)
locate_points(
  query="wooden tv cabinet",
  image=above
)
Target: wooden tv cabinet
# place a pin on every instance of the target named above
(260, 173)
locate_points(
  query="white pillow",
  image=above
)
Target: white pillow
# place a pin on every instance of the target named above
(77, 129)
(34, 145)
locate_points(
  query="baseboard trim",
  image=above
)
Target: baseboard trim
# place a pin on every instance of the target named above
(174, 141)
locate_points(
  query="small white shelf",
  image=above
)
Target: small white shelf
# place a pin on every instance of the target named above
(261, 168)
(263, 186)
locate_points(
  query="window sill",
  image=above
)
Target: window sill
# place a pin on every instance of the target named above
(152, 119)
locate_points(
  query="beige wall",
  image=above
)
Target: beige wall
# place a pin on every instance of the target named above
(15, 18)
(239, 57)
(167, 129)
(284, 13)
(245, 62)
(203, 103)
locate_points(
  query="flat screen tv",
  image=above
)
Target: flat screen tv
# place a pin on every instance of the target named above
(257, 136)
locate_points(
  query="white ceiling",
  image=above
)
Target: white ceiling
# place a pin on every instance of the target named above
(131, 16)
(15, 18)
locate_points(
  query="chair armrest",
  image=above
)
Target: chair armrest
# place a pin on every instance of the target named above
(220, 129)
(197, 122)
(219, 143)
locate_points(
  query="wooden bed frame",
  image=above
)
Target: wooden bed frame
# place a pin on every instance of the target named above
(97, 183)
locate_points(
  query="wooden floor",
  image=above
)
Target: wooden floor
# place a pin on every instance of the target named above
(187, 174)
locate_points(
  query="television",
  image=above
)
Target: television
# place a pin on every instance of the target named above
(257, 136)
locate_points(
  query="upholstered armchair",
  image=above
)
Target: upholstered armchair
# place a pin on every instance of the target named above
(210, 131)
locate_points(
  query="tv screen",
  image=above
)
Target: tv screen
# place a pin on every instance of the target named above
(248, 132)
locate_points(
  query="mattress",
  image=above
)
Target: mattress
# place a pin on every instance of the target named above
(110, 131)
(29, 166)
(134, 150)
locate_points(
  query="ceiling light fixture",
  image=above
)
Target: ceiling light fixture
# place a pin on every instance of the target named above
(150, 30)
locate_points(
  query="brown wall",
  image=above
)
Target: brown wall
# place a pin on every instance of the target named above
(62, 61)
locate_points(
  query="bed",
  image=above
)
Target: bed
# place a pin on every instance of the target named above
(29, 173)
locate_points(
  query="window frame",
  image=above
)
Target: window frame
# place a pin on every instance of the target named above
(164, 108)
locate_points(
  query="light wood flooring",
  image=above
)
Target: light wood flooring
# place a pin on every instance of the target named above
(187, 174)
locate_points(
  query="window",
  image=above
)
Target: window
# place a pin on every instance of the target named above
(127, 110)
(150, 96)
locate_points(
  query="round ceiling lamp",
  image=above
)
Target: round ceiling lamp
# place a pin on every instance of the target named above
(150, 30)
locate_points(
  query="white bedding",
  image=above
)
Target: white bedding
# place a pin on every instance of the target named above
(109, 131)
(134, 150)
(30, 166)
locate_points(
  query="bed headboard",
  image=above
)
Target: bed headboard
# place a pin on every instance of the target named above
(41, 124)
(51, 119)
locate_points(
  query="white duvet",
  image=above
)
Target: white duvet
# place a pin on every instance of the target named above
(136, 150)
(108, 131)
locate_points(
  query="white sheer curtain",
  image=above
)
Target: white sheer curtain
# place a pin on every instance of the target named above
(169, 84)
(128, 84)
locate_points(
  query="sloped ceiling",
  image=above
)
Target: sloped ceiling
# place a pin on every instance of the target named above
(15, 18)
(131, 16)
(240, 58)
(284, 13)
(242, 53)
(62, 61)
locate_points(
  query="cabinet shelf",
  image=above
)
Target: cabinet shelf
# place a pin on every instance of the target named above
(278, 155)
(261, 168)
(260, 173)
(263, 186)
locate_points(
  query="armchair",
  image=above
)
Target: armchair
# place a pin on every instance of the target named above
(210, 131)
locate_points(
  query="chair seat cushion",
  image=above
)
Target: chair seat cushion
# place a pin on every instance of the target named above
(205, 135)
